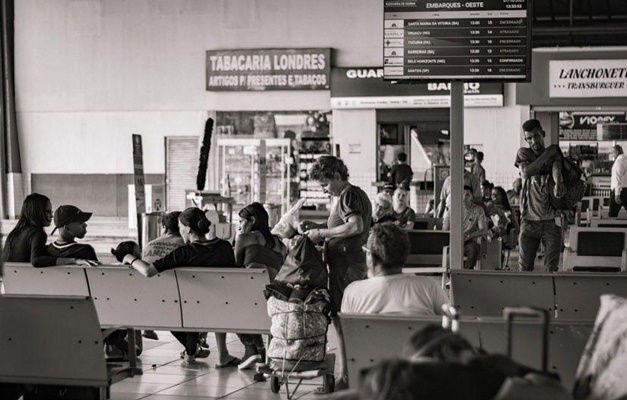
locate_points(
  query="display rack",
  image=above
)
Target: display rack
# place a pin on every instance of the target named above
(312, 149)
(255, 170)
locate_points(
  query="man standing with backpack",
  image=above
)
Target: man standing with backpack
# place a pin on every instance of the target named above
(539, 219)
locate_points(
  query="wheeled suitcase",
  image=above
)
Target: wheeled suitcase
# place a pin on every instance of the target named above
(533, 385)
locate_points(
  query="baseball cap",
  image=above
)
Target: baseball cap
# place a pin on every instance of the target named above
(66, 214)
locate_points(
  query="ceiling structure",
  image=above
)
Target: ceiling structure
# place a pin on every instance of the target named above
(558, 23)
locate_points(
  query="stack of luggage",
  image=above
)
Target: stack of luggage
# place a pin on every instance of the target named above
(299, 306)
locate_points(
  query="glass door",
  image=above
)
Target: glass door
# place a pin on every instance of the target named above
(236, 169)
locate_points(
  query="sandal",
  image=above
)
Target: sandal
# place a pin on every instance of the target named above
(231, 363)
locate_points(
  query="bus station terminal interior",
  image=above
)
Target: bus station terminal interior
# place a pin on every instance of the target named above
(138, 120)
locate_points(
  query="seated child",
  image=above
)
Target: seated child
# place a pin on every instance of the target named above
(71, 223)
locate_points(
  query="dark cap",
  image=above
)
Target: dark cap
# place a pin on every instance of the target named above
(66, 214)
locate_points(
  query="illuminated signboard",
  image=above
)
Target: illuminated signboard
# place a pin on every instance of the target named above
(457, 40)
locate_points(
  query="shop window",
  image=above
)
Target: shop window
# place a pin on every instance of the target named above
(273, 172)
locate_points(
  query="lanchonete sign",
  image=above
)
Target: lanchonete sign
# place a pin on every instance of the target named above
(588, 78)
(268, 69)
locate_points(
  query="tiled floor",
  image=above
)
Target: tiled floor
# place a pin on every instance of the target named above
(166, 378)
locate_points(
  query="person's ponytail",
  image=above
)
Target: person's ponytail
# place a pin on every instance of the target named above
(203, 226)
(195, 219)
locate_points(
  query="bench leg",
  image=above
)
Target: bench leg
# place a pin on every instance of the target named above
(132, 354)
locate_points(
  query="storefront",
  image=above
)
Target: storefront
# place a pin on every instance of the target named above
(261, 150)
(580, 97)
(395, 118)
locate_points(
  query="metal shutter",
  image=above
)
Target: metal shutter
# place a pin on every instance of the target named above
(181, 167)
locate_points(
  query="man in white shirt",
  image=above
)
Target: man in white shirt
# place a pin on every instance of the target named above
(387, 290)
(618, 192)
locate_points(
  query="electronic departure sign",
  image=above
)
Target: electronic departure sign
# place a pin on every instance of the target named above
(457, 40)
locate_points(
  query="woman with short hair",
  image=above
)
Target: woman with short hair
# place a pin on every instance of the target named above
(346, 229)
(383, 210)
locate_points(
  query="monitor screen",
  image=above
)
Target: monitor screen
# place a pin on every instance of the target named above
(608, 244)
(429, 242)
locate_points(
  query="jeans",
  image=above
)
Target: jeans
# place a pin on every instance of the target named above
(189, 340)
(471, 251)
(532, 233)
(615, 208)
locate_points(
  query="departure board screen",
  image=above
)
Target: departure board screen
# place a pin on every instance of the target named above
(457, 40)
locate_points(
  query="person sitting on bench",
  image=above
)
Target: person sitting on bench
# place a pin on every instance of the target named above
(403, 213)
(387, 289)
(197, 252)
(475, 226)
(256, 247)
(27, 241)
(383, 210)
(71, 223)
(161, 247)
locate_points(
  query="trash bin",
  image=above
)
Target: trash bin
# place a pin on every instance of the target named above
(151, 227)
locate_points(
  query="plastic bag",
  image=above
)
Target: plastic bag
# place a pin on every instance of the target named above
(601, 371)
(304, 266)
(287, 225)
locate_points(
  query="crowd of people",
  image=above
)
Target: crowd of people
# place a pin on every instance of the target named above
(366, 244)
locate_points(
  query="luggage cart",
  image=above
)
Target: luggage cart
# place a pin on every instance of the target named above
(282, 377)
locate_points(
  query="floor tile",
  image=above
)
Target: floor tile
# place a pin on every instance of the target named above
(127, 396)
(196, 390)
(160, 378)
(175, 397)
(261, 394)
(127, 386)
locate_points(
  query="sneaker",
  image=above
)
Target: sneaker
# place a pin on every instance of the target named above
(251, 357)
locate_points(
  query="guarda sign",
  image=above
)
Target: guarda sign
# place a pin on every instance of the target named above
(377, 73)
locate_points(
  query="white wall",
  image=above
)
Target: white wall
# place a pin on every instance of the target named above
(357, 128)
(91, 72)
(499, 130)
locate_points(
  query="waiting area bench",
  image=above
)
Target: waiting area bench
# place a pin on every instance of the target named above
(566, 295)
(600, 249)
(52, 340)
(369, 339)
(184, 299)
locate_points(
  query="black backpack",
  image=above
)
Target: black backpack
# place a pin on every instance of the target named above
(572, 175)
